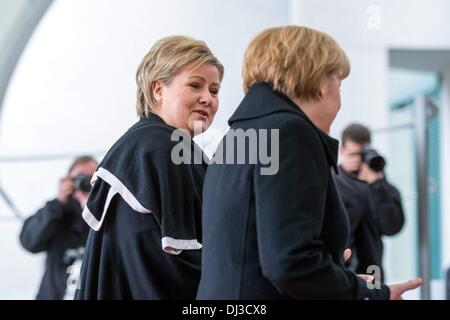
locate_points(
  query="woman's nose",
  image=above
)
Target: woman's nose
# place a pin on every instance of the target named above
(206, 97)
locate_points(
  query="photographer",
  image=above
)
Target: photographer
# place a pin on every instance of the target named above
(373, 204)
(58, 228)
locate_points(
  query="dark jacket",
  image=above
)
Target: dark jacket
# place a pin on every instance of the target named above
(277, 236)
(55, 229)
(387, 201)
(145, 215)
(374, 210)
(365, 238)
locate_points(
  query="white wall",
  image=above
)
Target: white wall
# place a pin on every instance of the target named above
(73, 92)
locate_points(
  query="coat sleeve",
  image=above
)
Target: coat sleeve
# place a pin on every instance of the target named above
(368, 245)
(39, 229)
(290, 211)
(388, 207)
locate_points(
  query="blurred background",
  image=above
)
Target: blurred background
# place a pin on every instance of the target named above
(67, 88)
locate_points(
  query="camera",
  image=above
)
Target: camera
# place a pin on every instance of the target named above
(82, 182)
(372, 158)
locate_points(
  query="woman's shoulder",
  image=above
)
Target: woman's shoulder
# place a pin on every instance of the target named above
(143, 130)
(141, 139)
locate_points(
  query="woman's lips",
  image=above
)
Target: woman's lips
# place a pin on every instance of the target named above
(203, 114)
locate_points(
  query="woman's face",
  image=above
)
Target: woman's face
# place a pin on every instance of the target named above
(190, 100)
(331, 97)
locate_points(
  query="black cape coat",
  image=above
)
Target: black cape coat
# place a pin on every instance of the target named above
(145, 215)
(279, 236)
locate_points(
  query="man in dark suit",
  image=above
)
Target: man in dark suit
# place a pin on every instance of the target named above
(58, 228)
(373, 204)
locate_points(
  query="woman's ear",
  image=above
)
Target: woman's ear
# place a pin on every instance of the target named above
(157, 90)
(324, 86)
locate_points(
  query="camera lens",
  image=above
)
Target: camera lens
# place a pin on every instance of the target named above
(82, 183)
(376, 163)
(372, 158)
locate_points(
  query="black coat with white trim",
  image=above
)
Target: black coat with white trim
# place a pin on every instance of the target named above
(277, 236)
(145, 215)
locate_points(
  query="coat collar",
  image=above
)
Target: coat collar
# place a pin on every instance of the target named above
(261, 100)
(153, 118)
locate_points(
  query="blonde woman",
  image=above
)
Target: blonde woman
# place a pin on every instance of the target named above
(145, 206)
(278, 230)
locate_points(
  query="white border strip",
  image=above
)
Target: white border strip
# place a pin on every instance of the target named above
(120, 188)
(175, 246)
(116, 187)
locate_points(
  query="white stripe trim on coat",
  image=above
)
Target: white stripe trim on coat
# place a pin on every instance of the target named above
(116, 186)
(175, 246)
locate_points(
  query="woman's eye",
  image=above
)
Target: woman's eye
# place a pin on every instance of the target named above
(214, 92)
(195, 85)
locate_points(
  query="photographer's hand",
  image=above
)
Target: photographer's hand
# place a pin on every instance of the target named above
(368, 175)
(65, 189)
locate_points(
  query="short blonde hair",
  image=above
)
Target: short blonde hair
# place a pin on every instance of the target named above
(164, 60)
(294, 60)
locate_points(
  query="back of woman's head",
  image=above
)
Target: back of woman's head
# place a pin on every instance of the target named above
(164, 60)
(294, 60)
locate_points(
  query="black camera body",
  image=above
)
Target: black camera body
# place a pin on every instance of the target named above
(373, 159)
(82, 182)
